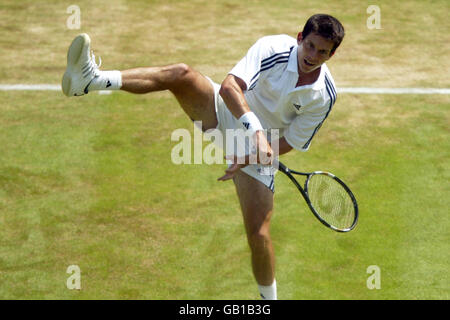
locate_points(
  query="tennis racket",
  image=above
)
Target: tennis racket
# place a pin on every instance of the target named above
(328, 197)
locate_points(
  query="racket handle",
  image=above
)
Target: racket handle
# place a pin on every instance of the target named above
(280, 166)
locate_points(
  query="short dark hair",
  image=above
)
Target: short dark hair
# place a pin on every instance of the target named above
(326, 26)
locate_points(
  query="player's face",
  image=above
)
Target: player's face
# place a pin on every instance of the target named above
(313, 51)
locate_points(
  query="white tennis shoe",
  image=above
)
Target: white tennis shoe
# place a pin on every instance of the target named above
(81, 67)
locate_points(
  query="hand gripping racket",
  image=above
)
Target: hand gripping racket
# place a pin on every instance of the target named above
(328, 197)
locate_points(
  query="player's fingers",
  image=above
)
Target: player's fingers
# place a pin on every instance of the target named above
(227, 176)
(230, 172)
(265, 158)
(265, 152)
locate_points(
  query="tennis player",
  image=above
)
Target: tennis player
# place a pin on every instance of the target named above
(281, 83)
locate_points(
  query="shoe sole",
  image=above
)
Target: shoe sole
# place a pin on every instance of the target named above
(78, 45)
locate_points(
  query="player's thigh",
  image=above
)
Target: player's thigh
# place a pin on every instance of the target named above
(196, 95)
(256, 202)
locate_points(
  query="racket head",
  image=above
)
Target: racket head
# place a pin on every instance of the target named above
(331, 201)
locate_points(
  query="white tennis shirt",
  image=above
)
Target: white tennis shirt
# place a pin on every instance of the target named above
(270, 71)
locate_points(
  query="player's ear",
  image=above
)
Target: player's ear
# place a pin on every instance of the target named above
(299, 37)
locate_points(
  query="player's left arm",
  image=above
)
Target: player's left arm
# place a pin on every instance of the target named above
(283, 147)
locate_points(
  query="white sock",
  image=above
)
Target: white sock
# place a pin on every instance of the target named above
(107, 80)
(268, 292)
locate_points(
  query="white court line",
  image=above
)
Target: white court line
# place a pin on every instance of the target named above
(394, 90)
(38, 87)
(29, 87)
(359, 90)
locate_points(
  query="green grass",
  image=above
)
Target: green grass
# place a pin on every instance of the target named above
(398, 167)
(90, 181)
(92, 184)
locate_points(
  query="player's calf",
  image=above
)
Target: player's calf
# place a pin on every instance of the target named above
(149, 79)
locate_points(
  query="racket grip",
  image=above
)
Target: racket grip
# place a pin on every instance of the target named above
(279, 165)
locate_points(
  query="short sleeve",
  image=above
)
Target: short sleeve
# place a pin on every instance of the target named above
(304, 127)
(248, 67)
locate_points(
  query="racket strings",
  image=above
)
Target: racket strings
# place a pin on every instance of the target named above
(331, 201)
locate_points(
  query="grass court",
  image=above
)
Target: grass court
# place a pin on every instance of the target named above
(89, 181)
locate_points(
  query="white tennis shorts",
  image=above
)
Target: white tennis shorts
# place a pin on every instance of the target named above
(226, 120)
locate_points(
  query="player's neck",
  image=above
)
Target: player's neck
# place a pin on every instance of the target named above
(308, 78)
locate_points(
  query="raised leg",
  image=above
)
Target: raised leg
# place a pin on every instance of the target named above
(193, 91)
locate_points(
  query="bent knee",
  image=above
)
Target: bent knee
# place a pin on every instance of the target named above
(180, 75)
(182, 70)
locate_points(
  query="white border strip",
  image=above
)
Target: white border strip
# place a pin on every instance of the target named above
(358, 90)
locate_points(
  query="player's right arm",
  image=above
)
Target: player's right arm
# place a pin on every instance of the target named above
(237, 82)
(232, 93)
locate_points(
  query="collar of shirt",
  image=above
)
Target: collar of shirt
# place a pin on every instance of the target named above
(293, 67)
